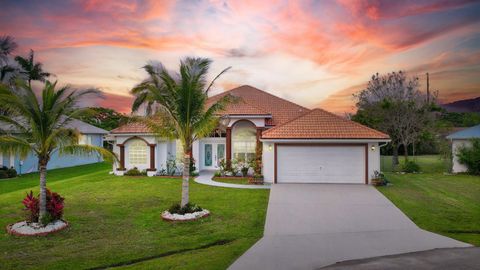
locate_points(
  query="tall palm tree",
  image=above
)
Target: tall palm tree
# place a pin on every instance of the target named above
(7, 46)
(176, 104)
(31, 70)
(41, 125)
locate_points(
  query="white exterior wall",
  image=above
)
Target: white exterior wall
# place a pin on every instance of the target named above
(258, 122)
(456, 144)
(373, 159)
(268, 160)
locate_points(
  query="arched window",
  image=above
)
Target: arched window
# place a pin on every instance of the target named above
(137, 152)
(244, 141)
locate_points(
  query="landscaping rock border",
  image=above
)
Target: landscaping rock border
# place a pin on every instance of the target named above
(187, 217)
(22, 228)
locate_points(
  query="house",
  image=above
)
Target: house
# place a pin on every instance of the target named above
(462, 139)
(299, 145)
(88, 135)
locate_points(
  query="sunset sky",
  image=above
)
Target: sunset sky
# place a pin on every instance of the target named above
(315, 53)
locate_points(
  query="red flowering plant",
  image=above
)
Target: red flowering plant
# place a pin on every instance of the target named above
(54, 207)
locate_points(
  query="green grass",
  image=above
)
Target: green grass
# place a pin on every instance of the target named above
(444, 204)
(117, 219)
(239, 180)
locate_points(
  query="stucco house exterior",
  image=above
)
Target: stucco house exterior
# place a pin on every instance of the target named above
(459, 139)
(88, 135)
(299, 145)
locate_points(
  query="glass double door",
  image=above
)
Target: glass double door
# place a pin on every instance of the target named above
(213, 154)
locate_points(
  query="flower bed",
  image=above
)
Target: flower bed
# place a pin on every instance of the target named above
(24, 228)
(185, 217)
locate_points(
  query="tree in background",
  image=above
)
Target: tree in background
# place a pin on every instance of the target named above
(41, 127)
(31, 70)
(105, 118)
(394, 104)
(176, 103)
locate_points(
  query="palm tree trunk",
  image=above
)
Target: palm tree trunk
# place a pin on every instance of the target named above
(42, 167)
(186, 177)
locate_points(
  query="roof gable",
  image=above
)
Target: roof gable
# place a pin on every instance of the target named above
(320, 124)
(256, 101)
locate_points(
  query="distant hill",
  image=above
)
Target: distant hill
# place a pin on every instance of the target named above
(465, 105)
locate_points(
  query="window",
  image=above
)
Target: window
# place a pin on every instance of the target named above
(244, 140)
(85, 139)
(137, 152)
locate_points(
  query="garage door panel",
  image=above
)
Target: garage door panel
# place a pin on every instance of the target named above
(320, 164)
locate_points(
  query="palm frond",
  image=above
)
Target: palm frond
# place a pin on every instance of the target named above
(86, 150)
(11, 144)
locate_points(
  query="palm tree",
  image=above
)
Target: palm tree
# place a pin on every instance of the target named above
(176, 104)
(31, 70)
(7, 46)
(41, 126)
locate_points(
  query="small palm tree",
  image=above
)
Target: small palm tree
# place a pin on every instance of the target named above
(31, 70)
(40, 125)
(176, 104)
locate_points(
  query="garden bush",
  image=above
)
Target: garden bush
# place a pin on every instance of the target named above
(410, 167)
(134, 172)
(188, 208)
(12, 173)
(55, 205)
(7, 173)
(3, 174)
(470, 157)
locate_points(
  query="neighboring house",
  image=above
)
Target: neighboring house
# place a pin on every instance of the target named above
(460, 139)
(299, 144)
(89, 135)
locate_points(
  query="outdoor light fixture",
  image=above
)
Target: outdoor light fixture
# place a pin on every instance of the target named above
(373, 147)
(270, 147)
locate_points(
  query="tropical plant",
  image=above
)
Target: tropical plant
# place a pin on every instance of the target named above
(7, 46)
(40, 125)
(54, 207)
(31, 70)
(177, 106)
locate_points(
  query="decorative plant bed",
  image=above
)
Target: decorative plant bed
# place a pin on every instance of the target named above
(169, 176)
(240, 180)
(186, 217)
(24, 228)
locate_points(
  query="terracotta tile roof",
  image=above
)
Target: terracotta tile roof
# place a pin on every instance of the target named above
(256, 101)
(320, 124)
(131, 128)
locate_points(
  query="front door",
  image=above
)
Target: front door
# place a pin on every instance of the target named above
(213, 153)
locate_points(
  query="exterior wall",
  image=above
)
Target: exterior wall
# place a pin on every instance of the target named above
(258, 122)
(268, 157)
(201, 150)
(30, 163)
(456, 144)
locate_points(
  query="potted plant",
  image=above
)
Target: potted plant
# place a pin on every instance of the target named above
(378, 179)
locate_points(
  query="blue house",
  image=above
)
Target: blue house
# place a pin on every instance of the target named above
(89, 135)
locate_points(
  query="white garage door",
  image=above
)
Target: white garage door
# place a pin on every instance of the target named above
(321, 164)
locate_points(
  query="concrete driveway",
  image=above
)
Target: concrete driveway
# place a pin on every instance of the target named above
(310, 226)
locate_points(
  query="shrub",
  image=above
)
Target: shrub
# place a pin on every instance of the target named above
(12, 173)
(133, 172)
(3, 174)
(55, 205)
(171, 166)
(188, 208)
(470, 156)
(244, 167)
(217, 174)
(410, 167)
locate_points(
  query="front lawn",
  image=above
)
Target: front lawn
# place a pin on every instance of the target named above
(116, 221)
(444, 204)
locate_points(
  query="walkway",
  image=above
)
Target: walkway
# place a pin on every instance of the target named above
(309, 226)
(205, 178)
